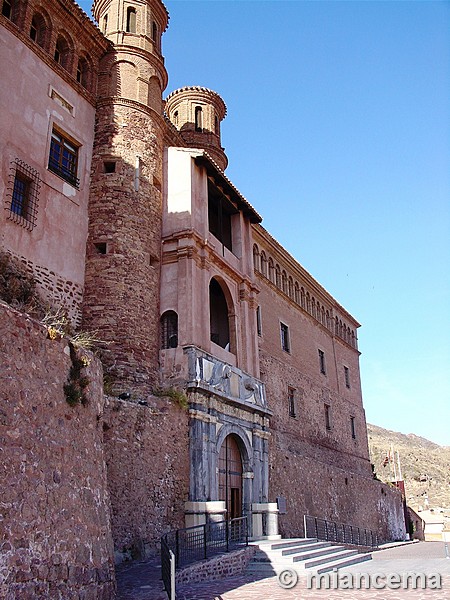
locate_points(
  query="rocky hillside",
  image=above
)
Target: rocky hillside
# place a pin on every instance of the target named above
(425, 466)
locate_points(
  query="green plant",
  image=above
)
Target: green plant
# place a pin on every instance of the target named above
(178, 396)
(74, 389)
(18, 287)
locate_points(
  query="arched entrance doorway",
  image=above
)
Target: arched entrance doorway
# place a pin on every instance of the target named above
(230, 477)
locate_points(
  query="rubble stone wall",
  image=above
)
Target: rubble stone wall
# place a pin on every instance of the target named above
(147, 455)
(55, 527)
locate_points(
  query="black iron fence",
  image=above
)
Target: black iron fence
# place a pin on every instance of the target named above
(198, 543)
(331, 531)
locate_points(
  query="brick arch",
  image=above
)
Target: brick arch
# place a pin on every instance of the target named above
(123, 76)
(42, 24)
(64, 51)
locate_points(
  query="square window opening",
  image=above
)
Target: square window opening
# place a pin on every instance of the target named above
(327, 408)
(347, 377)
(101, 247)
(63, 158)
(285, 341)
(322, 362)
(291, 402)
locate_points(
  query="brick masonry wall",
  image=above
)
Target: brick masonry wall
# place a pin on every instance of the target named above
(225, 565)
(322, 472)
(147, 454)
(57, 291)
(55, 526)
(314, 487)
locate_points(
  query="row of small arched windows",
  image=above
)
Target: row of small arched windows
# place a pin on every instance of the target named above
(39, 28)
(284, 282)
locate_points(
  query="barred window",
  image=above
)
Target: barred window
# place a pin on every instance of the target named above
(23, 194)
(169, 329)
(63, 159)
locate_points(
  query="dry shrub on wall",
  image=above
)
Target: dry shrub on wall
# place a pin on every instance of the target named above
(18, 288)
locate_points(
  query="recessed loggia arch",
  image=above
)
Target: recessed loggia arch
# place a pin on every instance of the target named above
(222, 317)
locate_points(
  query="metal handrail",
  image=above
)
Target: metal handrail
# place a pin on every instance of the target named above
(331, 531)
(196, 543)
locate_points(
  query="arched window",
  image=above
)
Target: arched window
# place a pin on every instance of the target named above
(308, 303)
(271, 271)
(175, 118)
(198, 118)
(154, 31)
(169, 329)
(9, 10)
(297, 293)
(62, 52)
(328, 321)
(284, 285)
(105, 24)
(291, 287)
(256, 257)
(83, 72)
(278, 276)
(131, 20)
(336, 326)
(263, 263)
(302, 298)
(38, 30)
(216, 125)
(324, 321)
(313, 307)
(218, 313)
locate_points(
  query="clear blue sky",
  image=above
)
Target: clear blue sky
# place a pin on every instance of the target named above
(338, 132)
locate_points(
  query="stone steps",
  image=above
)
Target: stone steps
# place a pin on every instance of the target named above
(302, 554)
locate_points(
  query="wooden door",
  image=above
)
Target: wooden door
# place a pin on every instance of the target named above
(230, 477)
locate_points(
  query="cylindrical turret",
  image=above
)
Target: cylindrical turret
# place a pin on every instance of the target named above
(197, 113)
(121, 300)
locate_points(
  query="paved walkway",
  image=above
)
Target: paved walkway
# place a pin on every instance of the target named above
(141, 581)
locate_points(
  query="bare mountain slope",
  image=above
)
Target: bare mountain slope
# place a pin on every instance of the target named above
(425, 466)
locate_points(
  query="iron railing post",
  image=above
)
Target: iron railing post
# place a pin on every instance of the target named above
(177, 548)
(204, 540)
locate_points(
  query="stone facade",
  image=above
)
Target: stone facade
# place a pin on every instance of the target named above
(35, 224)
(145, 240)
(148, 472)
(55, 527)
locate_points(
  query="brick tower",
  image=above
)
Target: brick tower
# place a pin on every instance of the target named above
(197, 113)
(121, 300)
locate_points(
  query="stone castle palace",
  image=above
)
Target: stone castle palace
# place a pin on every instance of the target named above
(231, 381)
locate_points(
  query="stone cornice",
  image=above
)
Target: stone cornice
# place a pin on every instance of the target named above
(265, 241)
(204, 255)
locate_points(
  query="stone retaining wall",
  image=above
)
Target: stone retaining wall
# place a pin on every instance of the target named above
(55, 523)
(225, 565)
